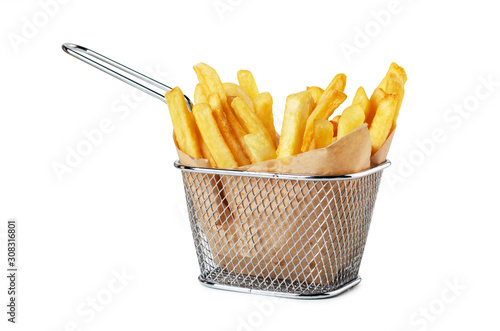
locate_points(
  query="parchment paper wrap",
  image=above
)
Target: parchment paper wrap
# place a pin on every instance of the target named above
(381, 155)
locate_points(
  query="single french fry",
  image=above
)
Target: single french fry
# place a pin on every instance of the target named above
(235, 91)
(203, 146)
(395, 86)
(361, 99)
(212, 136)
(260, 147)
(335, 123)
(398, 71)
(338, 83)
(352, 117)
(248, 119)
(297, 109)
(225, 129)
(263, 104)
(247, 82)
(375, 99)
(323, 133)
(206, 154)
(382, 121)
(200, 93)
(184, 125)
(329, 101)
(316, 92)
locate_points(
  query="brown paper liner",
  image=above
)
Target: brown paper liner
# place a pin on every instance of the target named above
(381, 155)
(350, 154)
(347, 155)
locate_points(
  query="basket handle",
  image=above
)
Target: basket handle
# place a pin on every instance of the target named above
(90, 57)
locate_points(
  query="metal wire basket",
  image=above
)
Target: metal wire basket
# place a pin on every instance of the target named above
(277, 234)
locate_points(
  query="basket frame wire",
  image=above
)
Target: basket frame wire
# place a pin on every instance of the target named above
(305, 241)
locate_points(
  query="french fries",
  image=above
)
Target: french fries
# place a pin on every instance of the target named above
(232, 125)
(398, 71)
(249, 120)
(329, 101)
(263, 104)
(335, 123)
(225, 129)
(238, 130)
(352, 117)
(338, 83)
(200, 93)
(382, 121)
(234, 91)
(323, 133)
(297, 109)
(206, 153)
(375, 99)
(209, 78)
(184, 125)
(316, 92)
(393, 83)
(361, 99)
(395, 86)
(212, 136)
(247, 82)
(260, 148)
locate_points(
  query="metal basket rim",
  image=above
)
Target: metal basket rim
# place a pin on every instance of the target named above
(243, 173)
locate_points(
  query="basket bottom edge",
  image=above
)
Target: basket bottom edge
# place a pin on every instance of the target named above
(313, 296)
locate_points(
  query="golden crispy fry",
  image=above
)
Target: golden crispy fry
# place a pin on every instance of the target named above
(395, 86)
(212, 136)
(225, 129)
(329, 101)
(234, 91)
(200, 93)
(184, 125)
(209, 77)
(398, 71)
(248, 119)
(316, 92)
(377, 95)
(323, 133)
(260, 148)
(335, 123)
(338, 83)
(352, 117)
(382, 121)
(238, 130)
(247, 82)
(393, 83)
(361, 99)
(297, 109)
(263, 104)
(206, 153)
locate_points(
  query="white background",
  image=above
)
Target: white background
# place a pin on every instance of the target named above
(122, 208)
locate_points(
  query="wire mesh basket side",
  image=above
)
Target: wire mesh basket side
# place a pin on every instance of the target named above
(279, 235)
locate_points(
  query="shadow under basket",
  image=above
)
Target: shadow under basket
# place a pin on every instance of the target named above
(284, 235)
